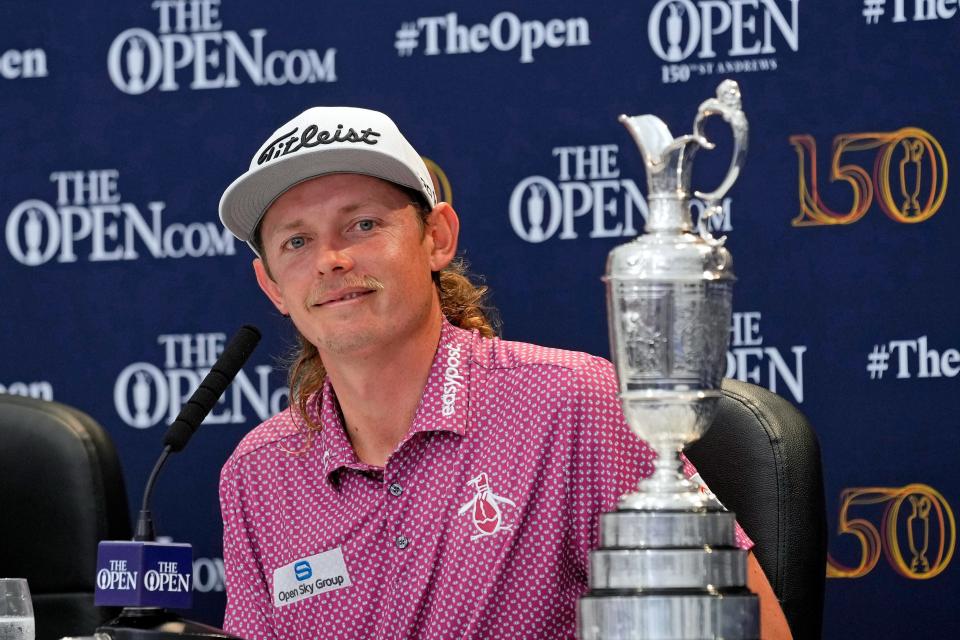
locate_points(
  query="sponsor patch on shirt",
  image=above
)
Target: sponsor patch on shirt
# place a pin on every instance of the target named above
(309, 577)
(484, 508)
(452, 380)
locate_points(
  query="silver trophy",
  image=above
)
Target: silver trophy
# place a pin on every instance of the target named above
(668, 566)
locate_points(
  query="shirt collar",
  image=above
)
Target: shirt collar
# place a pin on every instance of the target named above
(337, 450)
(444, 403)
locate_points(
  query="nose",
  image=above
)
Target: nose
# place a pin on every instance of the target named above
(331, 259)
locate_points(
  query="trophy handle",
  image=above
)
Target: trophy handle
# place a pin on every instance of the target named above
(727, 105)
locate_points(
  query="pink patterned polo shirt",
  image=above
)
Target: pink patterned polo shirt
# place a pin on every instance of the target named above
(479, 526)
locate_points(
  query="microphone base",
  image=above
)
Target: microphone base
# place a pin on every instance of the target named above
(148, 623)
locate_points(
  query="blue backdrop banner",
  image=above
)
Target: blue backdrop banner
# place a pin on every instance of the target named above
(124, 122)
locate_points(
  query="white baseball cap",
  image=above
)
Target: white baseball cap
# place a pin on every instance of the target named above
(317, 142)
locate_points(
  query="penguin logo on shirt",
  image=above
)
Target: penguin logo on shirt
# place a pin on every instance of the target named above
(484, 508)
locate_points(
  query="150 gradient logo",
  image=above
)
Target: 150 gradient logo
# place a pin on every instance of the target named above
(908, 179)
(917, 531)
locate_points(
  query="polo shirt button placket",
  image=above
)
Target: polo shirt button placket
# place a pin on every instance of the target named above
(395, 489)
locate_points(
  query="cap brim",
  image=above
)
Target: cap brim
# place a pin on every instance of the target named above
(249, 196)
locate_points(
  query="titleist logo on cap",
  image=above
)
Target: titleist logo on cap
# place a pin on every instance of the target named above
(312, 136)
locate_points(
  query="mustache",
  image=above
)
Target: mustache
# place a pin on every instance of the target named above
(346, 282)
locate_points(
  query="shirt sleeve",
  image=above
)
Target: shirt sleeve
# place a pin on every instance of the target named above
(609, 460)
(249, 605)
(743, 541)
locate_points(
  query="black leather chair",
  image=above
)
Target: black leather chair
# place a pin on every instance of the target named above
(61, 492)
(762, 460)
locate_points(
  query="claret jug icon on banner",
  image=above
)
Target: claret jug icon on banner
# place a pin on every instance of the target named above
(668, 565)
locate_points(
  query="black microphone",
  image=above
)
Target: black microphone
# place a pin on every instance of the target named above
(144, 576)
(221, 375)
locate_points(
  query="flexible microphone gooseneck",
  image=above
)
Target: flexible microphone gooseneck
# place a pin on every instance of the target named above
(200, 404)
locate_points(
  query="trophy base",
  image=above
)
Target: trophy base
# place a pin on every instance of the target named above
(668, 575)
(706, 568)
(645, 529)
(731, 614)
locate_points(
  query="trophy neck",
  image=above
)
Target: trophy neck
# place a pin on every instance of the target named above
(668, 188)
(668, 213)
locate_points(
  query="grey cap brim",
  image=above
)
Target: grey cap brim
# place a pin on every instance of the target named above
(248, 197)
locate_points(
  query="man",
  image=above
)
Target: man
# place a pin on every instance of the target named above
(428, 480)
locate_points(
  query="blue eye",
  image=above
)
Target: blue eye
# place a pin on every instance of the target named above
(295, 242)
(366, 225)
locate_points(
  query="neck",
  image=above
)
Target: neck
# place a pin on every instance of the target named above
(379, 391)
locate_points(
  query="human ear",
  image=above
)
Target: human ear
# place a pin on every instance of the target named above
(444, 231)
(268, 286)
